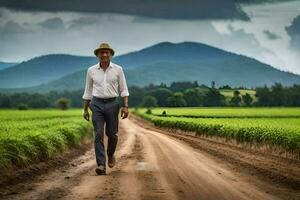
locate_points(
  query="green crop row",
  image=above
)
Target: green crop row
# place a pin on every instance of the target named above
(284, 132)
(28, 137)
(204, 112)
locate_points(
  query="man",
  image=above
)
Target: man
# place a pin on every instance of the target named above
(105, 81)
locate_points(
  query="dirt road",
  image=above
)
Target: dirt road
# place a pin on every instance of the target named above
(154, 165)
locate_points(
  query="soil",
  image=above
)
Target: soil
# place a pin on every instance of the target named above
(155, 163)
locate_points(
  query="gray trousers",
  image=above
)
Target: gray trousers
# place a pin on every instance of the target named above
(105, 113)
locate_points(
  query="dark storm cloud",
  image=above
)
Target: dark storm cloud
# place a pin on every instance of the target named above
(143, 20)
(82, 22)
(53, 23)
(261, 1)
(239, 37)
(293, 31)
(168, 9)
(12, 27)
(271, 35)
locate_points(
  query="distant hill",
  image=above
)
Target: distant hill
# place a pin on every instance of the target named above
(185, 52)
(238, 71)
(4, 65)
(47, 68)
(42, 69)
(168, 62)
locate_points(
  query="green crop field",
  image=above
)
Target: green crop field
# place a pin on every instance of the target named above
(28, 137)
(229, 92)
(271, 126)
(205, 112)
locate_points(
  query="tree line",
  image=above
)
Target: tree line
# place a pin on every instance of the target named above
(177, 94)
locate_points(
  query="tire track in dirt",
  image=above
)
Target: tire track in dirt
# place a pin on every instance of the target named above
(150, 165)
(193, 175)
(274, 174)
(60, 182)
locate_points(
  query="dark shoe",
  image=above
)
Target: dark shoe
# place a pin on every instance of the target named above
(111, 161)
(100, 170)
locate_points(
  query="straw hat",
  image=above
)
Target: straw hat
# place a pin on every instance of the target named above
(104, 46)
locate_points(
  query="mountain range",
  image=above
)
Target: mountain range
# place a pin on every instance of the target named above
(164, 62)
(4, 65)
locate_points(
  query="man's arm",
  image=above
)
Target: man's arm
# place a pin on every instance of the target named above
(123, 87)
(125, 101)
(87, 96)
(86, 103)
(124, 94)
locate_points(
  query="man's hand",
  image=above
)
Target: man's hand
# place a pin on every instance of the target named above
(124, 112)
(86, 115)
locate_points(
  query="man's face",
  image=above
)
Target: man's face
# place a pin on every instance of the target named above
(104, 55)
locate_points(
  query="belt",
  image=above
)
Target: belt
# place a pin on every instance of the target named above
(105, 99)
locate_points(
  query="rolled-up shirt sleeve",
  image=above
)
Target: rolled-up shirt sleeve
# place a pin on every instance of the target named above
(88, 87)
(122, 84)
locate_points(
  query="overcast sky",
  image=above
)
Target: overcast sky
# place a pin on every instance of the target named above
(269, 32)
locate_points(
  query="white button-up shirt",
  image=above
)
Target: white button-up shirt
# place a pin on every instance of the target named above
(105, 84)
